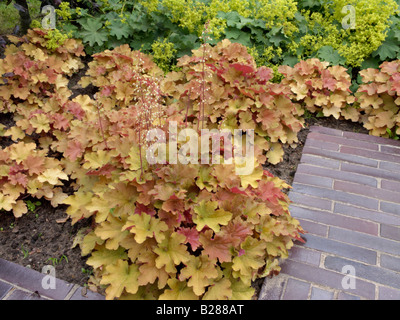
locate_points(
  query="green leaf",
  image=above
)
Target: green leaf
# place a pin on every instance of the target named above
(92, 31)
(327, 53)
(120, 30)
(290, 61)
(236, 35)
(232, 18)
(370, 63)
(388, 50)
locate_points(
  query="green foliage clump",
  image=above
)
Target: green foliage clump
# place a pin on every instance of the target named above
(163, 54)
(353, 43)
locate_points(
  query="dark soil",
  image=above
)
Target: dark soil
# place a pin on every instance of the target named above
(37, 239)
(45, 237)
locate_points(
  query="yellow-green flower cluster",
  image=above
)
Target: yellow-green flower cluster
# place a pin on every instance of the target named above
(163, 53)
(355, 45)
(192, 14)
(55, 38)
(64, 11)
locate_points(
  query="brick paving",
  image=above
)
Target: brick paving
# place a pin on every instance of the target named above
(20, 283)
(346, 194)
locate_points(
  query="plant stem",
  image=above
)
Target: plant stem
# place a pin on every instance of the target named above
(101, 126)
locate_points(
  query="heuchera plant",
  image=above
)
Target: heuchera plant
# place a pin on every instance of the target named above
(34, 93)
(221, 87)
(379, 99)
(321, 88)
(167, 231)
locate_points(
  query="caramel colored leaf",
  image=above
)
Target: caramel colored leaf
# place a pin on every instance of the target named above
(120, 276)
(208, 215)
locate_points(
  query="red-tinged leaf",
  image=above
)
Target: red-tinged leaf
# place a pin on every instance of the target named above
(370, 88)
(107, 91)
(217, 247)
(390, 67)
(174, 205)
(18, 178)
(237, 231)
(267, 191)
(105, 171)
(192, 236)
(75, 109)
(245, 69)
(34, 165)
(15, 168)
(237, 190)
(142, 208)
(268, 118)
(60, 122)
(264, 74)
(268, 174)
(328, 81)
(74, 150)
(171, 219)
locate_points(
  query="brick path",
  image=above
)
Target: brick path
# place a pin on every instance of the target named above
(346, 194)
(20, 283)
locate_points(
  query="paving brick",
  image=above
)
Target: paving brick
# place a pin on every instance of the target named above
(388, 293)
(370, 138)
(313, 180)
(344, 141)
(328, 278)
(32, 280)
(364, 271)
(272, 288)
(340, 248)
(390, 232)
(321, 144)
(345, 197)
(391, 150)
(337, 175)
(320, 162)
(296, 290)
(370, 155)
(324, 130)
(305, 255)
(310, 201)
(333, 219)
(389, 166)
(23, 295)
(390, 185)
(390, 207)
(88, 295)
(341, 156)
(367, 191)
(346, 296)
(4, 289)
(313, 227)
(390, 262)
(372, 215)
(368, 171)
(321, 294)
(365, 240)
